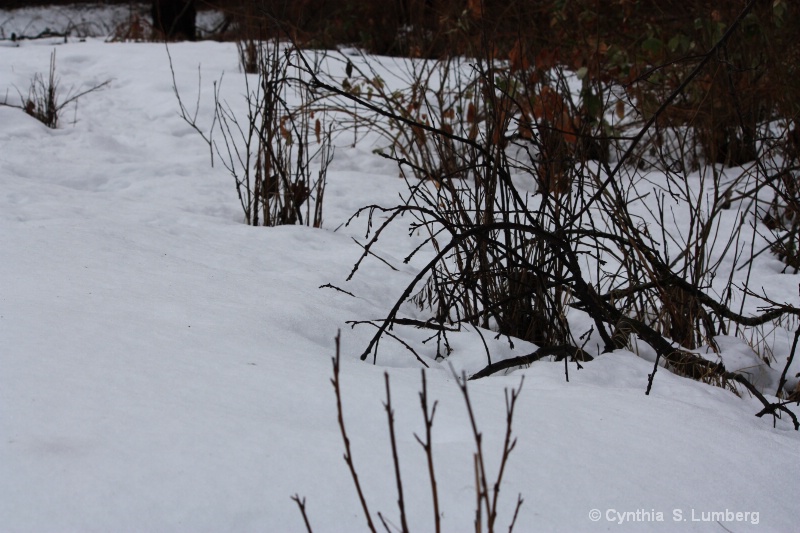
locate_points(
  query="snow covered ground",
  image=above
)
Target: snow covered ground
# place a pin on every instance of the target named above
(164, 367)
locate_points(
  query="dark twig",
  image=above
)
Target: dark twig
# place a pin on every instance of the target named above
(478, 494)
(407, 346)
(384, 522)
(508, 446)
(428, 324)
(395, 459)
(376, 256)
(779, 393)
(516, 513)
(481, 485)
(348, 456)
(560, 352)
(301, 504)
(427, 445)
(329, 286)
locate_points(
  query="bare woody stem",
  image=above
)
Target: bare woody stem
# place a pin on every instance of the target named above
(348, 456)
(427, 445)
(395, 458)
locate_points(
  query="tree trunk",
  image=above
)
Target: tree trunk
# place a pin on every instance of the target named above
(175, 19)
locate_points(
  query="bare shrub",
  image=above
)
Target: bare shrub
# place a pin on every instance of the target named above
(278, 154)
(44, 102)
(527, 172)
(515, 260)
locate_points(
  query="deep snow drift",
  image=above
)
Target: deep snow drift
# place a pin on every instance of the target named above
(164, 367)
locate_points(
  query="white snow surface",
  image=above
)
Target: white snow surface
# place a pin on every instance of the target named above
(164, 367)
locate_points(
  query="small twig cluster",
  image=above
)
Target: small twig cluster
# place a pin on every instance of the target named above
(43, 101)
(487, 491)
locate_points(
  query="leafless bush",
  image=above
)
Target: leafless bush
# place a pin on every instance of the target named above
(534, 199)
(450, 131)
(278, 154)
(515, 260)
(43, 101)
